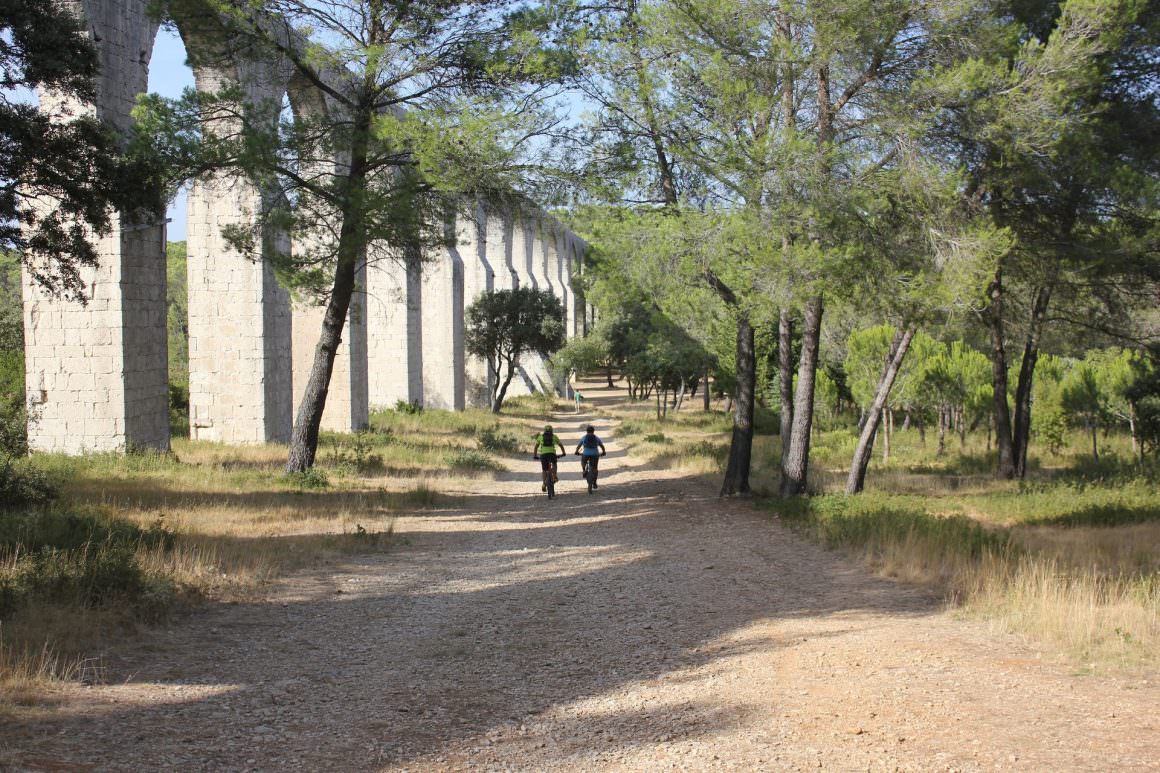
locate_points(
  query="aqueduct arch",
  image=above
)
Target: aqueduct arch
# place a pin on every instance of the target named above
(97, 374)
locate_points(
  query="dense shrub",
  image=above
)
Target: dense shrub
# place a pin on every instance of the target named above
(412, 408)
(471, 461)
(22, 484)
(497, 441)
(68, 558)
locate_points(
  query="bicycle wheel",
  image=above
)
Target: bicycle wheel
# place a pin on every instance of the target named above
(551, 484)
(589, 475)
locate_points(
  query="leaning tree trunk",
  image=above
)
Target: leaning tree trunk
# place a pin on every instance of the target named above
(887, 431)
(304, 437)
(1003, 439)
(865, 448)
(741, 448)
(1022, 433)
(785, 376)
(795, 463)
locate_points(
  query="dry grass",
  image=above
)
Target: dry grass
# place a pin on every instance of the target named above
(1101, 621)
(1073, 557)
(235, 523)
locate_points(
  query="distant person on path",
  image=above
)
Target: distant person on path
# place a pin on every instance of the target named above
(579, 399)
(546, 443)
(593, 449)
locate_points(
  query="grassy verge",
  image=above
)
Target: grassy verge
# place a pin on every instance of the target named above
(1073, 568)
(131, 539)
(1070, 558)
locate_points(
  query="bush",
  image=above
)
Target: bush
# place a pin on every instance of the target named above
(13, 425)
(475, 461)
(179, 409)
(354, 451)
(23, 484)
(495, 440)
(308, 480)
(83, 559)
(656, 437)
(412, 408)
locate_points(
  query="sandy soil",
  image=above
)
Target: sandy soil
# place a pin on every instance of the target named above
(647, 627)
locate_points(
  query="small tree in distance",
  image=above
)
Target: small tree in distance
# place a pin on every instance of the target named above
(504, 325)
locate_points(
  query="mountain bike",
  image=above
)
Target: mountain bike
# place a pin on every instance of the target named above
(589, 472)
(549, 478)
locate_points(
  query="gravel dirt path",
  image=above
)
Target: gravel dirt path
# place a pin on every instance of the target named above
(647, 627)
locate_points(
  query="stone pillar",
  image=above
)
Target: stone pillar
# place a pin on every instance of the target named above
(347, 400)
(579, 312)
(442, 321)
(478, 278)
(240, 371)
(524, 251)
(500, 238)
(569, 297)
(532, 231)
(394, 329)
(239, 324)
(97, 374)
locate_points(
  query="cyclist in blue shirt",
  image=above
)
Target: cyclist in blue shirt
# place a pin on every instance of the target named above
(593, 449)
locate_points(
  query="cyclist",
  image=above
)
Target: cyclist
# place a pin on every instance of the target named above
(590, 455)
(546, 443)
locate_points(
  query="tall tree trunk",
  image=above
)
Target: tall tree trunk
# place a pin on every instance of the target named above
(1136, 452)
(1003, 440)
(706, 398)
(962, 422)
(1095, 447)
(1022, 433)
(795, 463)
(608, 372)
(785, 376)
(865, 448)
(351, 240)
(942, 431)
(921, 423)
(741, 448)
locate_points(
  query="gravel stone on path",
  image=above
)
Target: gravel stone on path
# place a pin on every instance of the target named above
(648, 627)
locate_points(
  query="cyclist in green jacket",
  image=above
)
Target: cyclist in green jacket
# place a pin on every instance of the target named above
(546, 444)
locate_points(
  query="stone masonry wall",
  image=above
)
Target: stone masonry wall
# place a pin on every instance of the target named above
(97, 374)
(442, 320)
(394, 330)
(478, 278)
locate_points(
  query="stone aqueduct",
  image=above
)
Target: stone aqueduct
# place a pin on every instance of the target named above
(97, 374)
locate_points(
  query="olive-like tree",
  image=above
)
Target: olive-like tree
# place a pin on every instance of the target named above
(504, 325)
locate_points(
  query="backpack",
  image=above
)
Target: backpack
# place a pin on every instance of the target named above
(546, 440)
(591, 441)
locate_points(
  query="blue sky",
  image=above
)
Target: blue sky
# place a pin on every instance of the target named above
(168, 76)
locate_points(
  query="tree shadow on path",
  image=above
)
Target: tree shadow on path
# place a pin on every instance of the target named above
(479, 618)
